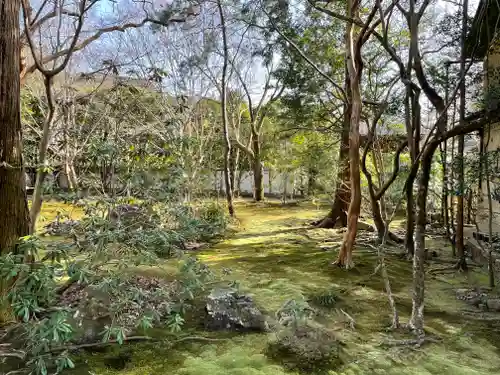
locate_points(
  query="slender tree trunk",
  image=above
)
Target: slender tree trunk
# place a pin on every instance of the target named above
(491, 269)
(235, 160)
(378, 163)
(417, 313)
(227, 141)
(410, 217)
(444, 194)
(258, 170)
(462, 264)
(469, 206)
(36, 205)
(414, 140)
(343, 191)
(14, 219)
(354, 67)
(452, 201)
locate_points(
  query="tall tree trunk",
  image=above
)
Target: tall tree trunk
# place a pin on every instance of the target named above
(225, 120)
(354, 67)
(14, 219)
(462, 264)
(417, 313)
(452, 201)
(491, 269)
(342, 196)
(413, 130)
(36, 205)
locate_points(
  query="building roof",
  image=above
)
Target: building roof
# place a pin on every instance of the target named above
(485, 25)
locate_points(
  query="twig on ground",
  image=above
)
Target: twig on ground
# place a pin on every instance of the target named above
(13, 353)
(417, 343)
(352, 322)
(134, 338)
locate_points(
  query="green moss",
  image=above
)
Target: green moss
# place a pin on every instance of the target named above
(276, 257)
(51, 208)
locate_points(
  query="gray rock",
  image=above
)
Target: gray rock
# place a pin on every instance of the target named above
(227, 310)
(471, 296)
(61, 228)
(365, 226)
(493, 304)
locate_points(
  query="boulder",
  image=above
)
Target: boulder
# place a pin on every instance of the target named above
(126, 212)
(228, 310)
(475, 252)
(306, 348)
(493, 304)
(365, 226)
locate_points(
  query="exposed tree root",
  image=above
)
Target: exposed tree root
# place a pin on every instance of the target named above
(134, 338)
(12, 353)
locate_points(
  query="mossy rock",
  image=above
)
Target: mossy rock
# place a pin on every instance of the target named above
(306, 348)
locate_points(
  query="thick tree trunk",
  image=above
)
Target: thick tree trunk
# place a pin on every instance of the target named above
(14, 219)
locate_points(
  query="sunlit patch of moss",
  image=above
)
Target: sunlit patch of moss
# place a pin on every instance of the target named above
(52, 208)
(236, 361)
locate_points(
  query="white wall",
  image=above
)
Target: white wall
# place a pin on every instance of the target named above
(276, 187)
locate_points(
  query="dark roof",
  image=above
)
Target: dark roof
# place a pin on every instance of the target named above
(484, 26)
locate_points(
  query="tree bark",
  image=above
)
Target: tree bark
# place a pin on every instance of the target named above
(462, 264)
(258, 173)
(417, 313)
(343, 191)
(225, 120)
(14, 219)
(354, 68)
(36, 205)
(235, 159)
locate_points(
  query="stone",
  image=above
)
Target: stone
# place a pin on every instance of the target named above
(475, 252)
(306, 348)
(493, 304)
(61, 228)
(228, 310)
(126, 211)
(365, 226)
(471, 296)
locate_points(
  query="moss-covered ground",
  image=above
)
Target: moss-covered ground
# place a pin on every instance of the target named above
(276, 256)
